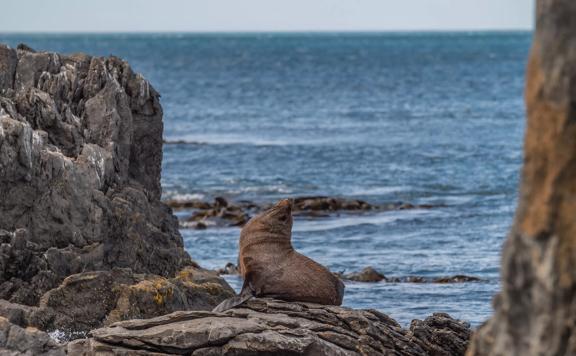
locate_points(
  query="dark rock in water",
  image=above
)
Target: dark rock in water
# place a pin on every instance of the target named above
(80, 160)
(224, 213)
(329, 204)
(15, 341)
(457, 279)
(219, 213)
(368, 274)
(271, 327)
(230, 268)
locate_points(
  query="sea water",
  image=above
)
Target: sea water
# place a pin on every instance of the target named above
(424, 118)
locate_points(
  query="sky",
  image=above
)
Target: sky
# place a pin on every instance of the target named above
(263, 15)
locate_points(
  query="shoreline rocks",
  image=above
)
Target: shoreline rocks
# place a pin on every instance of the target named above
(15, 340)
(267, 326)
(223, 213)
(371, 275)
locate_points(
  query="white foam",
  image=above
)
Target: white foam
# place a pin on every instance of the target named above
(354, 220)
(378, 190)
(194, 196)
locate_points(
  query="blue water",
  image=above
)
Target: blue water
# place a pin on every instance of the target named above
(423, 118)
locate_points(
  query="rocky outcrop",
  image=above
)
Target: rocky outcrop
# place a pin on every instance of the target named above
(221, 212)
(16, 341)
(80, 160)
(271, 327)
(92, 299)
(535, 314)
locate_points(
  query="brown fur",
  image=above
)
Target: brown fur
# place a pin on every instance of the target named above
(272, 268)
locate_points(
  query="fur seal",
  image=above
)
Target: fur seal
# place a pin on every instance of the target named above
(272, 268)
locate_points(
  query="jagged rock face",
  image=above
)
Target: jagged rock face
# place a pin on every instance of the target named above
(80, 159)
(271, 327)
(16, 341)
(536, 310)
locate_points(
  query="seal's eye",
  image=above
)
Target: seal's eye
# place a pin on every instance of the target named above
(283, 218)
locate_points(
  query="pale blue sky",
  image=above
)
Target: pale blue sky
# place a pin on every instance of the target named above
(262, 15)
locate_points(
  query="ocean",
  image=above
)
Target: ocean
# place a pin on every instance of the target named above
(424, 118)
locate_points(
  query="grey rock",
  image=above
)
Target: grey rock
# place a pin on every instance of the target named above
(271, 327)
(80, 159)
(84, 237)
(367, 274)
(16, 341)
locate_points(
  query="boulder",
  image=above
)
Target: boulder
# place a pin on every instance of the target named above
(16, 341)
(368, 274)
(272, 327)
(535, 313)
(92, 299)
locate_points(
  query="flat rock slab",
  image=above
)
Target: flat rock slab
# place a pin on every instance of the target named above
(272, 327)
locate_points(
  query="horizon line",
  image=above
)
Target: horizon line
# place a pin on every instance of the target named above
(241, 32)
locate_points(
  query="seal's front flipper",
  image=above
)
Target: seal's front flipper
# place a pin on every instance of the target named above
(245, 294)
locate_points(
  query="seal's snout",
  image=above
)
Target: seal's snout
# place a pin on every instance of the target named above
(285, 203)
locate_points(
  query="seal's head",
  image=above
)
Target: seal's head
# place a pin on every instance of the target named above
(277, 220)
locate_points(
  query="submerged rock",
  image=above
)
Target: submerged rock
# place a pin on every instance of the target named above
(272, 327)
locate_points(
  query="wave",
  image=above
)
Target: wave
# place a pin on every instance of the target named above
(186, 197)
(354, 220)
(229, 140)
(378, 190)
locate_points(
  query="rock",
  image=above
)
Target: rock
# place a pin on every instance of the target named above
(329, 204)
(230, 268)
(15, 340)
(222, 213)
(535, 312)
(84, 237)
(79, 187)
(266, 327)
(457, 279)
(188, 204)
(368, 274)
(92, 299)
(219, 213)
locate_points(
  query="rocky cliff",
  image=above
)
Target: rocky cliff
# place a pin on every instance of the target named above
(80, 160)
(536, 311)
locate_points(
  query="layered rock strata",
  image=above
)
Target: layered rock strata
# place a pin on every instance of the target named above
(271, 327)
